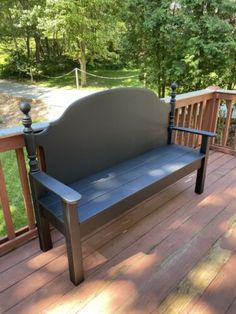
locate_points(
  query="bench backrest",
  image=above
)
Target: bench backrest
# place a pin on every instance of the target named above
(103, 129)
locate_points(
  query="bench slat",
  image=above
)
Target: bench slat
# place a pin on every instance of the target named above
(111, 175)
(123, 180)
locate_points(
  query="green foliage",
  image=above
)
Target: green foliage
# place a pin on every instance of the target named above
(89, 26)
(86, 31)
(211, 39)
(188, 41)
(192, 42)
(17, 64)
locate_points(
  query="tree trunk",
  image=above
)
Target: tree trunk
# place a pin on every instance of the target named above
(47, 48)
(159, 85)
(37, 48)
(163, 90)
(28, 46)
(82, 61)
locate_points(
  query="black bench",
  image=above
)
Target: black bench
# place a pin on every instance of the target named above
(108, 152)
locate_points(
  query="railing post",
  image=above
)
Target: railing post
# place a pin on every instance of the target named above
(145, 80)
(77, 78)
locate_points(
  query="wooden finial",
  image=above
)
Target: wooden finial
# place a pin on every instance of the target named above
(172, 111)
(26, 120)
(173, 87)
(29, 137)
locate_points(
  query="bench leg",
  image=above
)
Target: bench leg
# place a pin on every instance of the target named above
(45, 240)
(73, 243)
(201, 173)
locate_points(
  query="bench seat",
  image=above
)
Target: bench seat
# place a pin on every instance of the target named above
(125, 184)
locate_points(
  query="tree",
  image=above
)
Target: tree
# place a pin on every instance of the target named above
(25, 16)
(89, 27)
(45, 30)
(154, 37)
(211, 46)
(190, 41)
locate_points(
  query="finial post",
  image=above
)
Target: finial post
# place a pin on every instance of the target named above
(172, 111)
(29, 137)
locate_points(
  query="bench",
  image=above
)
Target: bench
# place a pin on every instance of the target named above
(108, 152)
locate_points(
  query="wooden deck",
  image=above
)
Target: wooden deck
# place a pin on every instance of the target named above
(174, 253)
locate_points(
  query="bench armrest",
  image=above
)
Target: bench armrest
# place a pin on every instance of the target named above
(194, 131)
(67, 194)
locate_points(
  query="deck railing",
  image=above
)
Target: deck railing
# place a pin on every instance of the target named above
(209, 109)
(12, 140)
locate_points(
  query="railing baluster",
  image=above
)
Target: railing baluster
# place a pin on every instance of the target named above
(188, 123)
(214, 116)
(202, 106)
(229, 105)
(234, 140)
(25, 187)
(6, 206)
(194, 124)
(183, 118)
(206, 124)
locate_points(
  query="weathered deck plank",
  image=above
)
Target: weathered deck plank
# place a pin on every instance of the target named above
(232, 307)
(220, 293)
(154, 273)
(138, 262)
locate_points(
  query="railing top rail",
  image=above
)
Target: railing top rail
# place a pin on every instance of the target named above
(181, 99)
(226, 94)
(188, 95)
(14, 131)
(200, 95)
(226, 91)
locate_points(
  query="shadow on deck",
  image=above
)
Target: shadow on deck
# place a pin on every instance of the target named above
(174, 253)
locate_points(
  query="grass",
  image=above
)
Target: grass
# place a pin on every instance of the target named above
(14, 190)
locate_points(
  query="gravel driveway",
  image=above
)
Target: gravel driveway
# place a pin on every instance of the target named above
(56, 99)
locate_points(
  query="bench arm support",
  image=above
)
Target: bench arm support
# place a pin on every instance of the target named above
(69, 199)
(204, 149)
(68, 195)
(194, 131)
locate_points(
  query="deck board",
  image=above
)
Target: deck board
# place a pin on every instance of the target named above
(140, 262)
(232, 307)
(220, 293)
